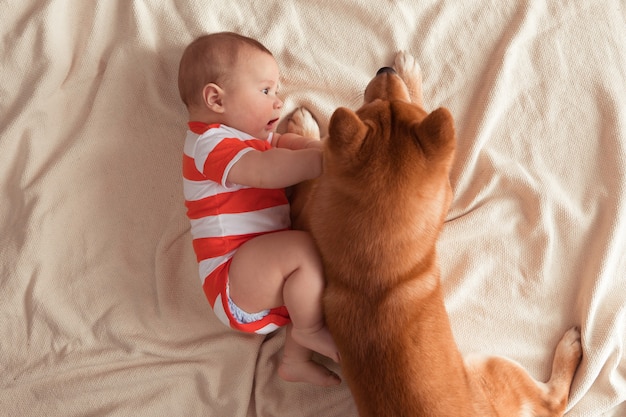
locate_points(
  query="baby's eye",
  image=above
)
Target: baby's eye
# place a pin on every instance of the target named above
(265, 91)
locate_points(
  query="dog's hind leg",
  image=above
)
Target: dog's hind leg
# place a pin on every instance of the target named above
(510, 391)
(566, 359)
(551, 398)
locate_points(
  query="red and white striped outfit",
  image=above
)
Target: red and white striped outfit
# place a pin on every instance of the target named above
(223, 216)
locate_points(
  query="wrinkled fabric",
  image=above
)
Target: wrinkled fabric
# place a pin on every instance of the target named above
(101, 311)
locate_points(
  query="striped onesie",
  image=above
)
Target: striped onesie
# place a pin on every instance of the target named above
(223, 216)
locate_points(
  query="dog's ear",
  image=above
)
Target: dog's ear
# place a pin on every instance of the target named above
(346, 131)
(436, 133)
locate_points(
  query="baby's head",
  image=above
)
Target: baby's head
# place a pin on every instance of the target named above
(219, 77)
(210, 59)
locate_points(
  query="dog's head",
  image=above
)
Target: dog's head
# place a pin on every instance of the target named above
(392, 153)
(385, 190)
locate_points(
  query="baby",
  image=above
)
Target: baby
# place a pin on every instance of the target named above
(257, 274)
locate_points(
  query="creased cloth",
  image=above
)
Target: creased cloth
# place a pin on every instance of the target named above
(101, 310)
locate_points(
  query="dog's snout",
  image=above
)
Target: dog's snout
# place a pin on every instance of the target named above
(387, 86)
(386, 70)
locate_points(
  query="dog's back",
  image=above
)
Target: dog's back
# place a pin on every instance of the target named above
(376, 214)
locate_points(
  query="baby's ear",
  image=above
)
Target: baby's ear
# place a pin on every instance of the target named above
(212, 96)
(345, 131)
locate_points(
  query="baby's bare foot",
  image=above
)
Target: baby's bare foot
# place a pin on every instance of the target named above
(318, 340)
(307, 371)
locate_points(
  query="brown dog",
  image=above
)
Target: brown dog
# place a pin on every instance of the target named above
(376, 214)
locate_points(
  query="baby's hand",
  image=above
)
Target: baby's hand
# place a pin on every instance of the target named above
(294, 141)
(315, 144)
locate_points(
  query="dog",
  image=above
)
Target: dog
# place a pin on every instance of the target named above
(376, 213)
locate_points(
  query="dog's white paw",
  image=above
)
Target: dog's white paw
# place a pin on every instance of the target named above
(570, 345)
(567, 357)
(406, 66)
(303, 123)
(409, 70)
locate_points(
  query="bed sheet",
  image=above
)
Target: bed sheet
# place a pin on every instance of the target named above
(101, 309)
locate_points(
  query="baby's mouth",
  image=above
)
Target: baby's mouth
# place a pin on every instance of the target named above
(272, 122)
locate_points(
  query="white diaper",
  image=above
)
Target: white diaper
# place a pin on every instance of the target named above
(243, 317)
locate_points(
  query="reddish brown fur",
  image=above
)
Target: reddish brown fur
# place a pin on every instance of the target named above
(376, 214)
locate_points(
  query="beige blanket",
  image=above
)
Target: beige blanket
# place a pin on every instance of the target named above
(101, 310)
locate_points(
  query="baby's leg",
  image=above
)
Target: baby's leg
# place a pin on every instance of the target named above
(284, 268)
(297, 365)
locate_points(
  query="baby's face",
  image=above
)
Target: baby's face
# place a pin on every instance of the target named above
(250, 98)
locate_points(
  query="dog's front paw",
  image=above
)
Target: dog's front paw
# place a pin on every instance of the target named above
(410, 71)
(407, 67)
(302, 122)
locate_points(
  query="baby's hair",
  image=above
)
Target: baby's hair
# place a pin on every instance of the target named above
(208, 59)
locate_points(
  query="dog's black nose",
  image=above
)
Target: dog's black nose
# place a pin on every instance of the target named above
(386, 69)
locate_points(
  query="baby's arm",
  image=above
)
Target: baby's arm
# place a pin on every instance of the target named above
(276, 167)
(294, 141)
